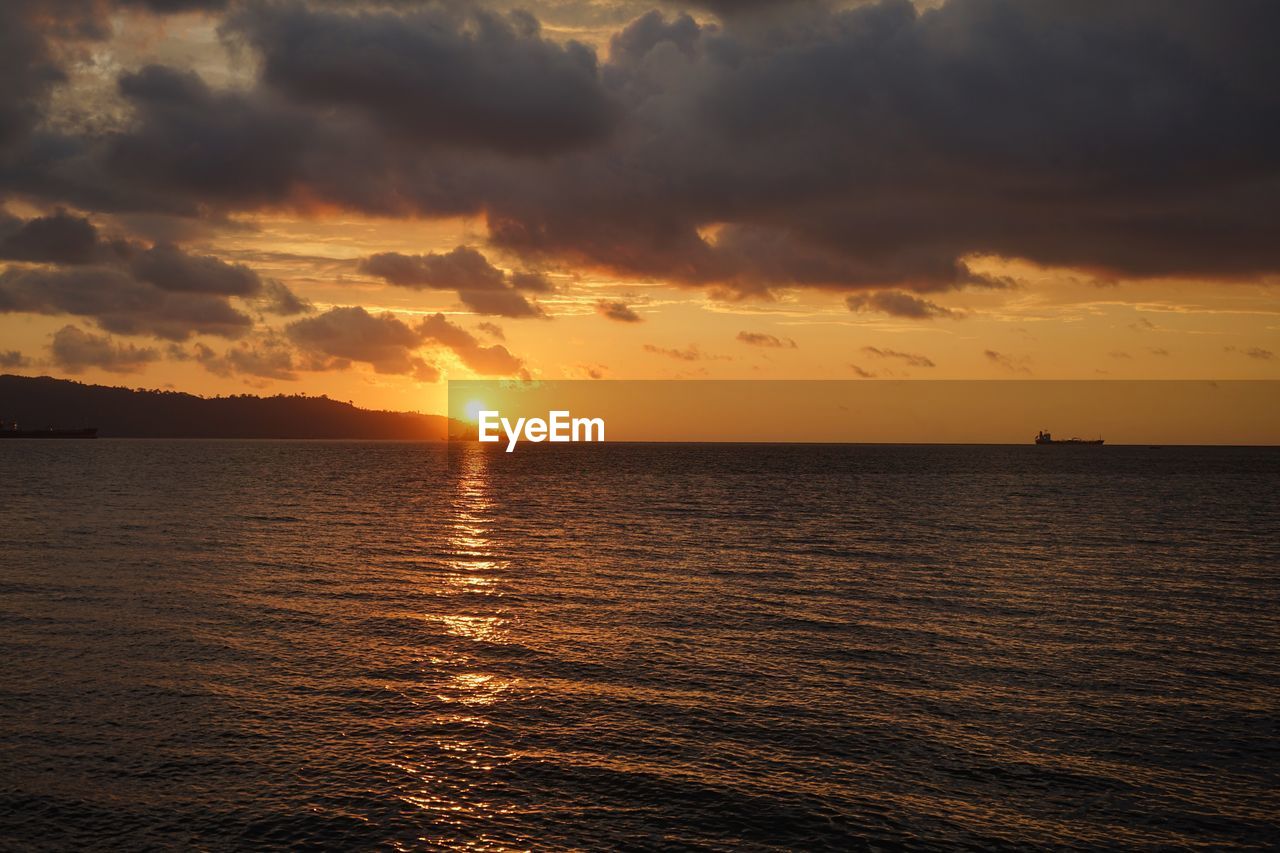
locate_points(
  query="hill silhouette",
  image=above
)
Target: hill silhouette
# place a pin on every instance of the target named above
(125, 413)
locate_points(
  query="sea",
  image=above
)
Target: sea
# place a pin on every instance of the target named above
(257, 645)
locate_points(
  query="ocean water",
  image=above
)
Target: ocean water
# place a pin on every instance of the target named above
(312, 645)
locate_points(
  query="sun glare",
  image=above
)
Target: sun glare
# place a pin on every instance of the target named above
(473, 410)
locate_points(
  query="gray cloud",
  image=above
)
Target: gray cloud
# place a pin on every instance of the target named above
(692, 353)
(75, 350)
(760, 339)
(269, 356)
(340, 336)
(170, 268)
(1252, 352)
(277, 298)
(119, 302)
(619, 311)
(1015, 364)
(480, 285)
(58, 239)
(911, 358)
(869, 148)
(440, 75)
(897, 304)
(13, 358)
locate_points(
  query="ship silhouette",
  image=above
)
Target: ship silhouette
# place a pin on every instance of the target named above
(1043, 437)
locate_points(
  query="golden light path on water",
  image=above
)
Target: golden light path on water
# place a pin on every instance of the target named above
(466, 691)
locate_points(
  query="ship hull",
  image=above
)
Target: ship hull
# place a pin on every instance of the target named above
(91, 432)
(1093, 443)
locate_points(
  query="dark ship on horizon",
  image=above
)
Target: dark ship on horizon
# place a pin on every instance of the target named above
(11, 430)
(1043, 437)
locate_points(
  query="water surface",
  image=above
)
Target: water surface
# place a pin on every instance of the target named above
(225, 645)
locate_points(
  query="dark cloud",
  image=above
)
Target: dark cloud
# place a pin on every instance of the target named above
(692, 353)
(340, 336)
(440, 75)
(1253, 352)
(534, 282)
(267, 357)
(13, 358)
(493, 330)
(128, 288)
(499, 303)
(862, 374)
(617, 311)
(463, 268)
(58, 239)
(75, 350)
(480, 285)
(869, 148)
(1015, 364)
(760, 339)
(277, 298)
(172, 269)
(911, 358)
(897, 304)
(119, 302)
(191, 147)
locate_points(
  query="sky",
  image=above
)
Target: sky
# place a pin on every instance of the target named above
(366, 200)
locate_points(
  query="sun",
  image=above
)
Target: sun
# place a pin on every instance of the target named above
(473, 410)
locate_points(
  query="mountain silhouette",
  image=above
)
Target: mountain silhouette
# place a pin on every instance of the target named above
(126, 413)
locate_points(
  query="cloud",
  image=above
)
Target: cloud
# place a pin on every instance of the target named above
(480, 285)
(692, 353)
(493, 360)
(912, 359)
(760, 339)
(128, 288)
(58, 239)
(344, 335)
(1253, 352)
(864, 374)
(170, 268)
(617, 311)
(1157, 351)
(898, 304)
(13, 358)
(269, 356)
(463, 268)
(277, 298)
(340, 336)
(75, 350)
(493, 330)
(443, 75)
(119, 302)
(499, 303)
(1015, 364)
(874, 147)
(534, 282)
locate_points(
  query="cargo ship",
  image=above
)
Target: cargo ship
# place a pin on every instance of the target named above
(8, 430)
(1043, 437)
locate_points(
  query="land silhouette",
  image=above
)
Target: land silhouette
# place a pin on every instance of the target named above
(38, 402)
